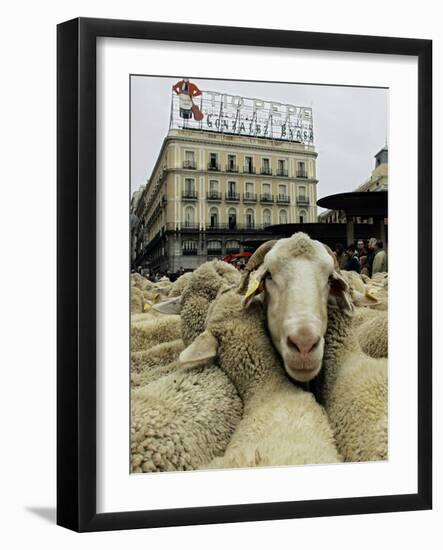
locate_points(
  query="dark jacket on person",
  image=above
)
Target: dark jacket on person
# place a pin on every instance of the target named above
(353, 264)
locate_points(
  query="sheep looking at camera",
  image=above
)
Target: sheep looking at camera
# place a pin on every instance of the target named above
(309, 313)
(282, 424)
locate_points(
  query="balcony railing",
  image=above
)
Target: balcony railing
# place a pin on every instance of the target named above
(189, 164)
(249, 197)
(235, 227)
(266, 197)
(282, 172)
(214, 251)
(213, 196)
(249, 170)
(231, 168)
(301, 199)
(189, 252)
(187, 226)
(266, 171)
(283, 199)
(232, 197)
(214, 166)
(190, 194)
(302, 174)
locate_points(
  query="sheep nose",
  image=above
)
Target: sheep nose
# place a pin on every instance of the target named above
(303, 341)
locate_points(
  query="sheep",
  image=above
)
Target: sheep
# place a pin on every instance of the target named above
(372, 335)
(157, 361)
(154, 331)
(182, 420)
(304, 294)
(179, 285)
(136, 300)
(282, 424)
(353, 389)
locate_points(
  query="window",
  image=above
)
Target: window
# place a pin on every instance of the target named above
(250, 218)
(231, 189)
(266, 217)
(214, 247)
(189, 216)
(248, 165)
(283, 217)
(189, 247)
(189, 155)
(231, 163)
(232, 246)
(303, 217)
(213, 161)
(301, 170)
(232, 218)
(282, 190)
(281, 169)
(249, 188)
(189, 186)
(213, 216)
(213, 186)
(265, 166)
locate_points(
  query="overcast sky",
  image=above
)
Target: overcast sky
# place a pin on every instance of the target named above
(350, 124)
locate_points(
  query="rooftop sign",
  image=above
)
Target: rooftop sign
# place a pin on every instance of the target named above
(196, 109)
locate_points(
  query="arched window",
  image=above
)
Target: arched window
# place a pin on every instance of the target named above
(213, 217)
(303, 216)
(250, 218)
(189, 216)
(214, 248)
(266, 217)
(232, 247)
(189, 248)
(283, 216)
(232, 218)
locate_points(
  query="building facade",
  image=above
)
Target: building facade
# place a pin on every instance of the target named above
(378, 181)
(209, 192)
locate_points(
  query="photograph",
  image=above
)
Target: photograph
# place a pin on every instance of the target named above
(258, 273)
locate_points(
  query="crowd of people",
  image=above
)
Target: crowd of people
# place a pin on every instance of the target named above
(156, 276)
(365, 258)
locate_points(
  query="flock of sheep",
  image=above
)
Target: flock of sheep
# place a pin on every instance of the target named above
(283, 365)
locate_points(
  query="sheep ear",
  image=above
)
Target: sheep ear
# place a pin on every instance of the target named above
(340, 292)
(170, 307)
(362, 300)
(204, 347)
(255, 285)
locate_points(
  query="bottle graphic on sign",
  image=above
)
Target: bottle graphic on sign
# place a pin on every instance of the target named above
(186, 91)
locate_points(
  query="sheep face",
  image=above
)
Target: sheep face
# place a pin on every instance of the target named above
(298, 278)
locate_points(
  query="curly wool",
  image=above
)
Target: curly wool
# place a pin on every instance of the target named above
(180, 284)
(151, 364)
(146, 334)
(353, 388)
(201, 290)
(282, 424)
(136, 300)
(182, 420)
(372, 335)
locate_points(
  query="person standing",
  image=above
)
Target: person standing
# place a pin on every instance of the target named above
(340, 255)
(372, 243)
(380, 263)
(352, 263)
(361, 250)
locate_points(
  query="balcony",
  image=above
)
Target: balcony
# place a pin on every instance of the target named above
(302, 174)
(283, 199)
(233, 168)
(232, 197)
(249, 197)
(189, 252)
(249, 170)
(214, 196)
(213, 166)
(187, 226)
(190, 164)
(301, 199)
(265, 171)
(235, 227)
(214, 251)
(266, 197)
(282, 173)
(189, 195)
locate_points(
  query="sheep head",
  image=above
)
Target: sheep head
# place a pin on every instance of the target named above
(297, 278)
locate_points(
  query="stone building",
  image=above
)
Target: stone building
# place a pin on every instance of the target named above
(212, 190)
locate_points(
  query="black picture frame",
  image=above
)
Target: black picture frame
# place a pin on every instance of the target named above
(76, 273)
